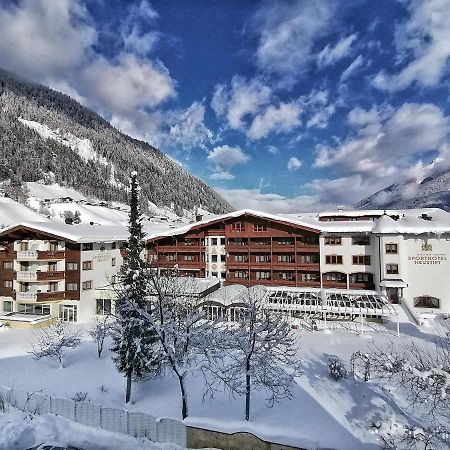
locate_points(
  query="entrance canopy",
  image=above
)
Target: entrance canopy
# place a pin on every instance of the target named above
(393, 284)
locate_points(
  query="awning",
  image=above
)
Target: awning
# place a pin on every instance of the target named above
(393, 284)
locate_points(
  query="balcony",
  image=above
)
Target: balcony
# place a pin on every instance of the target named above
(283, 248)
(40, 296)
(307, 248)
(28, 275)
(310, 266)
(48, 255)
(51, 275)
(26, 255)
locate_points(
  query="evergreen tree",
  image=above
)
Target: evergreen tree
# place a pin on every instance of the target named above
(135, 343)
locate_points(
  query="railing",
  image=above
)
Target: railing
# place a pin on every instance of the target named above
(26, 275)
(51, 275)
(26, 255)
(59, 254)
(26, 296)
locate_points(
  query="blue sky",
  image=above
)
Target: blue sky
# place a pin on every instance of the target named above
(281, 106)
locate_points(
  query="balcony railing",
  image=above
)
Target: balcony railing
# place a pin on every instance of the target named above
(26, 275)
(26, 255)
(58, 254)
(26, 296)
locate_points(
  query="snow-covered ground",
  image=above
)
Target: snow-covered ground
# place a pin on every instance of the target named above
(322, 414)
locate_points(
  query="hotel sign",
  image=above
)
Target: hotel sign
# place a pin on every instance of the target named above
(428, 258)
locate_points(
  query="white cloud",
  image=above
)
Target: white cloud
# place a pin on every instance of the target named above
(288, 31)
(352, 68)
(426, 34)
(188, 129)
(283, 118)
(134, 29)
(222, 175)
(227, 156)
(44, 39)
(243, 98)
(273, 150)
(330, 54)
(318, 107)
(386, 146)
(294, 164)
(272, 203)
(129, 84)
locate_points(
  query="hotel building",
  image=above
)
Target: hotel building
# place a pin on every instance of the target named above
(67, 271)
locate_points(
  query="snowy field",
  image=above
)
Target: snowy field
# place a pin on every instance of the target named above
(322, 414)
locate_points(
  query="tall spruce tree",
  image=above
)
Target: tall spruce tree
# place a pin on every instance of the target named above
(135, 343)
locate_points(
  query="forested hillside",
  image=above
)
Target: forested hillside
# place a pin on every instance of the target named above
(46, 135)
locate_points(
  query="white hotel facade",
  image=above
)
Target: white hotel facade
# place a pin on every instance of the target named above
(67, 271)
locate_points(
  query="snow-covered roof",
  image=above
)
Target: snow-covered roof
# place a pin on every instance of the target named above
(234, 214)
(75, 233)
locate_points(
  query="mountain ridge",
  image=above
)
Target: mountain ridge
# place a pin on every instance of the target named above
(30, 154)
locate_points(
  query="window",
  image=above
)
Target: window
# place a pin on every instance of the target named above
(333, 259)
(7, 265)
(114, 279)
(213, 258)
(333, 240)
(71, 286)
(336, 276)
(259, 227)
(426, 301)
(361, 260)
(7, 284)
(171, 257)
(23, 246)
(288, 276)
(87, 265)
(189, 257)
(223, 258)
(104, 306)
(261, 242)
(40, 310)
(262, 275)
(113, 262)
(241, 274)
(214, 274)
(52, 287)
(113, 245)
(314, 258)
(237, 226)
(238, 241)
(8, 306)
(53, 246)
(392, 268)
(87, 285)
(360, 240)
(52, 267)
(360, 278)
(310, 277)
(71, 266)
(262, 258)
(285, 241)
(213, 241)
(391, 248)
(88, 246)
(222, 241)
(308, 240)
(285, 258)
(241, 258)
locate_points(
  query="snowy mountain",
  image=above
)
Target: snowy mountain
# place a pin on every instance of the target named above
(430, 191)
(47, 136)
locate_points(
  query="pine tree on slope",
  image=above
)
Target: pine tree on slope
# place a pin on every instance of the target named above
(135, 343)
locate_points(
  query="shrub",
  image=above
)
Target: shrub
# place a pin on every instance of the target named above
(336, 368)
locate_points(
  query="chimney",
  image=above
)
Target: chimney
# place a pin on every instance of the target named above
(198, 217)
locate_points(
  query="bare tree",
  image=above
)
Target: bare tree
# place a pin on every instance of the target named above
(260, 352)
(101, 328)
(421, 373)
(52, 341)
